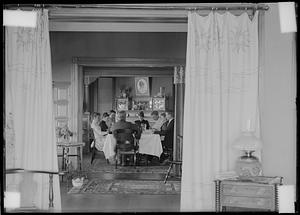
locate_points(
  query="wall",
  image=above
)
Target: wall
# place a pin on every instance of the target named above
(277, 97)
(155, 84)
(105, 95)
(101, 95)
(65, 45)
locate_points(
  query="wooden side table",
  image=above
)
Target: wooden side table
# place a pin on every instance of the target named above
(255, 193)
(65, 155)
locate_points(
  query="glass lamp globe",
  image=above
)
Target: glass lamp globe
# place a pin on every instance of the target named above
(248, 165)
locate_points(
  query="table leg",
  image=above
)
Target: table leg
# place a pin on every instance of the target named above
(276, 198)
(168, 172)
(67, 160)
(217, 182)
(63, 159)
(81, 158)
(78, 158)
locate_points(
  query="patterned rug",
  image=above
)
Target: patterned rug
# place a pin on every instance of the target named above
(100, 165)
(99, 186)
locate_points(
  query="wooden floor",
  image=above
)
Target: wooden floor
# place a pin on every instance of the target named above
(119, 202)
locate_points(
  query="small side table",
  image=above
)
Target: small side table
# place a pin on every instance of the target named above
(65, 155)
(254, 193)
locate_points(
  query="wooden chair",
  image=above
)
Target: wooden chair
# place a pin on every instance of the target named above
(177, 161)
(127, 145)
(94, 150)
(170, 168)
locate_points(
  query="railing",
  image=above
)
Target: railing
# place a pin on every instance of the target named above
(51, 196)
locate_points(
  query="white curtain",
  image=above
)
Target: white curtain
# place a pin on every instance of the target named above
(30, 133)
(220, 100)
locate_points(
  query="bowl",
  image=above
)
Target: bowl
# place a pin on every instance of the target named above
(77, 182)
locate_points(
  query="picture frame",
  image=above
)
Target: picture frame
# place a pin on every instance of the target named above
(142, 86)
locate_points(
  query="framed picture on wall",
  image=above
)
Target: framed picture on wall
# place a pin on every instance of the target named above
(142, 86)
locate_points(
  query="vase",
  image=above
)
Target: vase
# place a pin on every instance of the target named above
(248, 165)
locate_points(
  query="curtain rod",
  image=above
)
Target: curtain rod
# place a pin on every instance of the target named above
(192, 8)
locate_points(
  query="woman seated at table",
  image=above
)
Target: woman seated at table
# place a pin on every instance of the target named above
(103, 125)
(141, 121)
(98, 133)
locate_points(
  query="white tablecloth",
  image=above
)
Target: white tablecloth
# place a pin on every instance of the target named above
(149, 144)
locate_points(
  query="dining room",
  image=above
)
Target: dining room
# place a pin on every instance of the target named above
(120, 91)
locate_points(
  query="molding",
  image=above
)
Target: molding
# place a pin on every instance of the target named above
(134, 17)
(87, 19)
(92, 13)
(61, 84)
(117, 20)
(128, 72)
(116, 27)
(127, 62)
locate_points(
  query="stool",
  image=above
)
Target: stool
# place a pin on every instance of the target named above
(170, 168)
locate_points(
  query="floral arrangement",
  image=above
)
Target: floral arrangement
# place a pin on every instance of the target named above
(125, 92)
(63, 132)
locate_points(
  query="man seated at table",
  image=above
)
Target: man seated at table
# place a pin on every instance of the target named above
(168, 133)
(141, 121)
(123, 124)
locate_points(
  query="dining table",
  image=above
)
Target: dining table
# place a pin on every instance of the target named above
(149, 144)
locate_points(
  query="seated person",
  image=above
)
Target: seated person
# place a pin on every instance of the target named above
(164, 119)
(141, 121)
(123, 124)
(103, 124)
(99, 135)
(167, 130)
(159, 120)
(111, 120)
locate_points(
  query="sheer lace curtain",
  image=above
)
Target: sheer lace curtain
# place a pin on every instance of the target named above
(220, 100)
(30, 132)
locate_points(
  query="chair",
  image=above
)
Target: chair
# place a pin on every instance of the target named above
(94, 150)
(175, 162)
(167, 153)
(127, 145)
(170, 168)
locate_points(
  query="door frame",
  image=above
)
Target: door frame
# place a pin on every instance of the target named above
(77, 83)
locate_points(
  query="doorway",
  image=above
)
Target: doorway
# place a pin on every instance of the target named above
(91, 70)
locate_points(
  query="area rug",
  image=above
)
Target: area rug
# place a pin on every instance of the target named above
(126, 169)
(101, 166)
(99, 186)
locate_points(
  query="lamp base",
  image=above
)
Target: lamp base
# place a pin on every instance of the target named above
(248, 165)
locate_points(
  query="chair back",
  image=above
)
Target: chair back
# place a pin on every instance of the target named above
(124, 138)
(92, 136)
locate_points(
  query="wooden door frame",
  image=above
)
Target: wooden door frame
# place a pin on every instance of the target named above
(77, 80)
